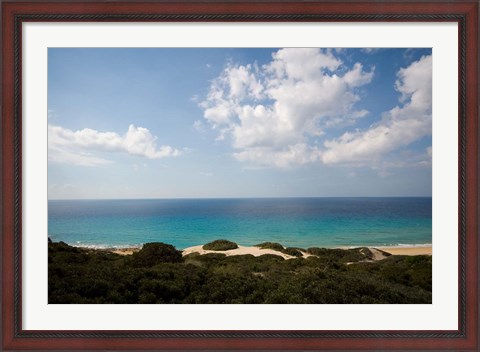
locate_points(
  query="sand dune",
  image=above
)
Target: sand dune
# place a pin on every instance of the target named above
(241, 250)
(256, 251)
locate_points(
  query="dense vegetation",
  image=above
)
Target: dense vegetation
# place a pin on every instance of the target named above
(159, 274)
(220, 245)
(270, 245)
(294, 252)
(345, 255)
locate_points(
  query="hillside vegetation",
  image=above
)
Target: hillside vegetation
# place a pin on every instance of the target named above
(159, 274)
(220, 245)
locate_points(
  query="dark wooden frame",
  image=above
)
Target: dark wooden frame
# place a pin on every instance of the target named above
(465, 13)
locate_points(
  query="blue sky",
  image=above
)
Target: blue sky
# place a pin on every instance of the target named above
(168, 123)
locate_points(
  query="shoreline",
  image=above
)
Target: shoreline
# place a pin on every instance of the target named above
(256, 251)
(403, 250)
(412, 250)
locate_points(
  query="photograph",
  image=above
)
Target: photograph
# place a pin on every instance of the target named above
(240, 175)
(291, 175)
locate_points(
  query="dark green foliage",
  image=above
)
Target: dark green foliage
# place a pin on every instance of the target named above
(87, 276)
(324, 251)
(155, 253)
(220, 245)
(295, 252)
(342, 255)
(415, 271)
(270, 245)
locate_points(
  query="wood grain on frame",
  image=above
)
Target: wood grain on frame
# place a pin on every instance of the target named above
(465, 13)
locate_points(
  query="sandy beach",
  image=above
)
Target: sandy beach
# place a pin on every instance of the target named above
(256, 251)
(241, 250)
(427, 250)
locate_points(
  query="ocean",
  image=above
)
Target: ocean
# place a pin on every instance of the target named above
(293, 222)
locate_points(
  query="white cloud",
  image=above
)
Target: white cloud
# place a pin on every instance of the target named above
(77, 147)
(66, 156)
(292, 155)
(270, 113)
(357, 77)
(399, 127)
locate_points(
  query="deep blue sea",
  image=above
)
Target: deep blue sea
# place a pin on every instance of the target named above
(296, 222)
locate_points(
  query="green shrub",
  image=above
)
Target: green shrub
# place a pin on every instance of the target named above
(154, 253)
(356, 254)
(63, 247)
(319, 251)
(220, 245)
(270, 245)
(338, 255)
(293, 252)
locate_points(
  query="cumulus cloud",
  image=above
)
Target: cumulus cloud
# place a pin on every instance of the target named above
(78, 147)
(271, 113)
(398, 127)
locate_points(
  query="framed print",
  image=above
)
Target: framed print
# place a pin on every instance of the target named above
(240, 175)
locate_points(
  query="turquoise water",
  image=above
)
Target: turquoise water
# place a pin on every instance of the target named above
(299, 222)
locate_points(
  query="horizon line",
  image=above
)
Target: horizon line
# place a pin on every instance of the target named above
(213, 198)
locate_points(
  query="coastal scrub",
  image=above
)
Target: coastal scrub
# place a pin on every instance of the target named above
(158, 274)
